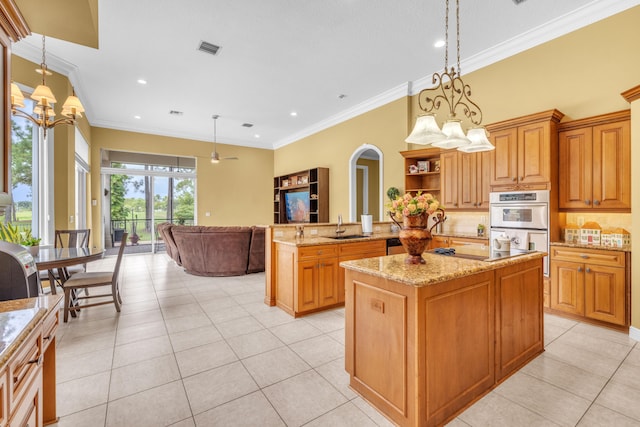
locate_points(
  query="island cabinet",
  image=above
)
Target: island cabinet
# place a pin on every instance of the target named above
(595, 155)
(591, 284)
(420, 348)
(359, 250)
(465, 180)
(525, 157)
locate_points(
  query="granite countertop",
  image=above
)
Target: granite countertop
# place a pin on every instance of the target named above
(437, 268)
(18, 318)
(324, 240)
(626, 248)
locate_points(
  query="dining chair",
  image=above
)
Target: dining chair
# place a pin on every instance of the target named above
(93, 279)
(67, 239)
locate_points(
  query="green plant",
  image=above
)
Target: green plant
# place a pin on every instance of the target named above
(393, 193)
(10, 233)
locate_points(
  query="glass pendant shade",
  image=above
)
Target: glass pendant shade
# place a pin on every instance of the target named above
(43, 93)
(17, 98)
(455, 136)
(72, 107)
(215, 157)
(479, 141)
(426, 131)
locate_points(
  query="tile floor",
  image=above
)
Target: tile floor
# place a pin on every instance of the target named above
(202, 351)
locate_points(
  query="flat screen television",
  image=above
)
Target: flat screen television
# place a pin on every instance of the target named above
(297, 206)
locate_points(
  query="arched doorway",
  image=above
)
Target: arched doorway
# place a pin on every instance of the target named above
(366, 183)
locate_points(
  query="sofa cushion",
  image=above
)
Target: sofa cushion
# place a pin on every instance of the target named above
(256, 250)
(164, 230)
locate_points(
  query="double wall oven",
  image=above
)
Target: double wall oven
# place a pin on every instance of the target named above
(523, 216)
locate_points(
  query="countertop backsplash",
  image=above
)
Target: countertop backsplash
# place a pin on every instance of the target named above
(605, 220)
(465, 223)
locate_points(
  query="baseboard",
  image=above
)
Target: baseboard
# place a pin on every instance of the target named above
(634, 333)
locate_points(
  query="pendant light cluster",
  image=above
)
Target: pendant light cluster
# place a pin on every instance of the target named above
(72, 109)
(449, 89)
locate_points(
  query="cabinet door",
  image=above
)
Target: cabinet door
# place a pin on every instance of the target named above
(612, 166)
(307, 285)
(575, 172)
(328, 282)
(604, 289)
(449, 179)
(483, 174)
(439, 242)
(534, 163)
(567, 287)
(504, 163)
(467, 180)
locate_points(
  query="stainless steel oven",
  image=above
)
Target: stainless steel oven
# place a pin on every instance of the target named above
(523, 216)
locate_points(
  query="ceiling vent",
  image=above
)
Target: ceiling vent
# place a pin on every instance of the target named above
(176, 113)
(247, 125)
(208, 47)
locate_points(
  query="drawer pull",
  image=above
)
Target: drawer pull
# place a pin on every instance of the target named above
(24, 370)
(579, 269)
(596, 202)
(584, 256)
(587, 202)
(514, 179)
(588, 270)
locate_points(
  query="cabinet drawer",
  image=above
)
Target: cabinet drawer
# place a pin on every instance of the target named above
(590, 256)
(24, 366)
(29, 411)
(319, 251)
(362, 247)
(49, 328)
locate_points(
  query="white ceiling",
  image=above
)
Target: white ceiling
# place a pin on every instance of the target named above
(279, 56)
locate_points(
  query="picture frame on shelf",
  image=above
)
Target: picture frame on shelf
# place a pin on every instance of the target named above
(304, 179)
(424, 166)
(413, 169)
(285, 182)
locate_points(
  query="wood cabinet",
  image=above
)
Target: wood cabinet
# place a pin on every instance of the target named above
(591, 283)
(309, 278)
(453, 241)
(426, 175)
(465, 179)
(595, 155)
(525, 157)
(313, 188)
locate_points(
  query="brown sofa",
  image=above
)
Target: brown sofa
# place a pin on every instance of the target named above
(215, 251)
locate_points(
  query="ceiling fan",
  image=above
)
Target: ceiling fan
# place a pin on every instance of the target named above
(215, 156)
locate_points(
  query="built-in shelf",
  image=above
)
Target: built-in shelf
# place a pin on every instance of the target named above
(309, 189)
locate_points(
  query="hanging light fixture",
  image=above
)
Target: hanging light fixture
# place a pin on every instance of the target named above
(72, 108)
(215, 157)
(449, 89)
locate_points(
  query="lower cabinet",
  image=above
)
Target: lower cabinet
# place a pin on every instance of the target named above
(590, 283)
(452, 242)
(359, 250)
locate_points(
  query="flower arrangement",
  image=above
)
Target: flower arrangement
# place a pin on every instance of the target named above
(409, 205)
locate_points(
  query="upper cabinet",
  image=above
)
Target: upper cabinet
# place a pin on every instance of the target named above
(525, 157)
(465, 180)
(595, 154)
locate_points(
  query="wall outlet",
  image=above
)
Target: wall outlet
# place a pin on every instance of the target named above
(70, 219)
(580, 221)
(207, 213)
(94, 202)
(314, 232)
(278, 234)
(483, 219)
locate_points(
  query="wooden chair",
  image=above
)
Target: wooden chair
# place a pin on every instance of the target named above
(67, 239)
(91, 280)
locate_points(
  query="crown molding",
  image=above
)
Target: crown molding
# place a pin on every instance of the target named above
(632, 94)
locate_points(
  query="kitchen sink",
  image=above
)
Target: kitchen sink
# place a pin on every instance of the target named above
(351, 236)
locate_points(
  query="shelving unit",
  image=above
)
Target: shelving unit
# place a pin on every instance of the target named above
(427, 181)
(315, 181)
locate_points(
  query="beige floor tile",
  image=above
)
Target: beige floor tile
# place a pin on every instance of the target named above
(599, 416)
(372, 412)
(218, 304)
(139, 318)
(318, 350)
(347, 415)
(628, 374)
(180, 310)
(241, 326)
(594, 343)
(494, 410)
(594, 331)
(634, 357)
(71, 346)
(456, 422)
(140, 332)
(159, 406)
(141, 350)
(326, 321)
(622, 399)
(303, 398)
(338, 336)
(194, 338)
(226, 314)
(95, 416)
(254, 343)
(295, 331)
(249, 298)
(335, 373)
(248, 411)
(142, 376)
(556, 404)
(189, 422)
(184, 323)
(217, 386)
(204, 357)
(83, 393)
(566, 377)
(273, 317)
(275, 365)
(584, 359)
(81, 365)
(130, 307)
(176, 300)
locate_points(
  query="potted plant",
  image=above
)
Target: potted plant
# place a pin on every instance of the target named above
(11, 233)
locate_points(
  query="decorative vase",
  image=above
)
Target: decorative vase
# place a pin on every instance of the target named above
(415, 237)
(33, 250)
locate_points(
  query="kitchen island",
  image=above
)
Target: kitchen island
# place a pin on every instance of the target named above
(425, 341)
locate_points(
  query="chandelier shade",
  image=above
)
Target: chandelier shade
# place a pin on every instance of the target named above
(449, 89)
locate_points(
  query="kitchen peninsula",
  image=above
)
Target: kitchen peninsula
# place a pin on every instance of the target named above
(424, 341)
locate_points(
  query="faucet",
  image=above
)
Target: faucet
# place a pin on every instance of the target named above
(338, 229)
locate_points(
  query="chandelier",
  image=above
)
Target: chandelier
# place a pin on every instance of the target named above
(449, 89)
(43, 111)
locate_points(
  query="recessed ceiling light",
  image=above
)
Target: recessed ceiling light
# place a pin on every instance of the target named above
(293, 114)
(137, 117)
(256, 135)
(142, 81)
(439, 43)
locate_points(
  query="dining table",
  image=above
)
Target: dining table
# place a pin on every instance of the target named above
(57, 259)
